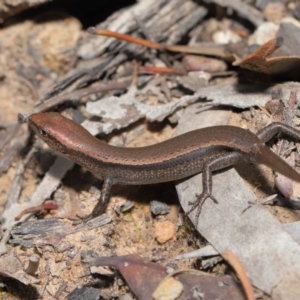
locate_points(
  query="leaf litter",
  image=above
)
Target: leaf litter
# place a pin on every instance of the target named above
(143, 104)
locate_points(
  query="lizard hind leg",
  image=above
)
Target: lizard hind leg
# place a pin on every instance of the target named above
(218, 163)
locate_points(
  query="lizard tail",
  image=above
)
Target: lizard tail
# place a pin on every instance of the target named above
(269, 158)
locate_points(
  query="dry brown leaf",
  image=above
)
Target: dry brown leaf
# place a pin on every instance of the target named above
(259, 61)
(144, 277)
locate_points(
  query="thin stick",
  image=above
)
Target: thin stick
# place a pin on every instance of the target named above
(241, 273)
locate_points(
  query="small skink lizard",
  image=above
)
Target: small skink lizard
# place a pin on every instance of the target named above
(203, 150)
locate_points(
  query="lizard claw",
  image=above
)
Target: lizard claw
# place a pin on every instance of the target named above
(198, 203)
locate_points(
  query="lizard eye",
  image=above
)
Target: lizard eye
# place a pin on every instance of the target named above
(42, 132)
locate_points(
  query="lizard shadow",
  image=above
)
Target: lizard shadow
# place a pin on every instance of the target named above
(256, 178)
(83, 181)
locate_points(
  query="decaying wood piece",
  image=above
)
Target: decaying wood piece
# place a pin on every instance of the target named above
(9, 8)
(167, 21)
(162, 17)
(244, 9)
(17, 141)
(39, 232)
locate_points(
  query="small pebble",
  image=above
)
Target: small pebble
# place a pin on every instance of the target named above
(263, 33)
(225, 37)
(275, 12)
(164, 231)
(169, 289)
(72, 254)
(159, 208)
